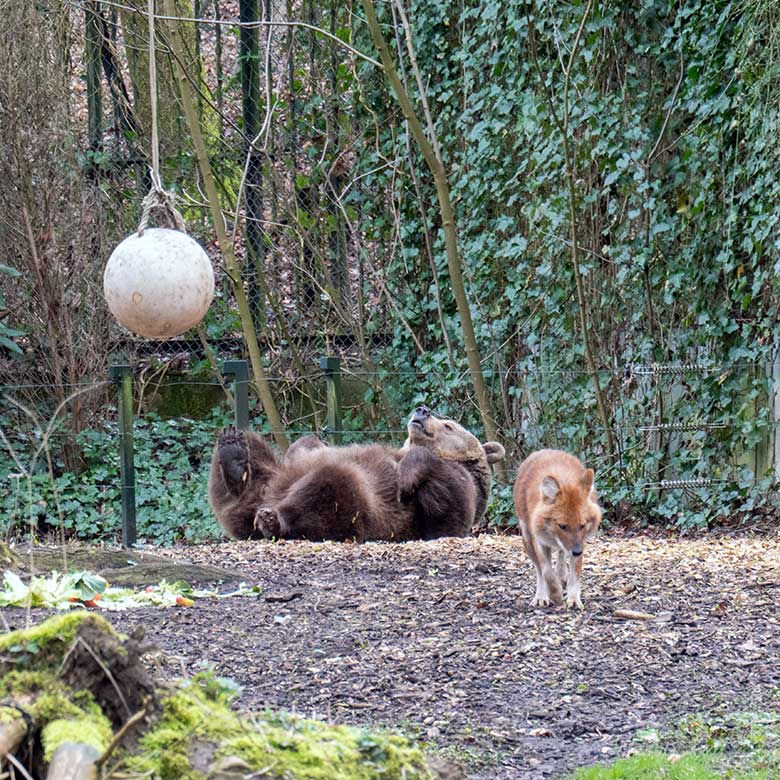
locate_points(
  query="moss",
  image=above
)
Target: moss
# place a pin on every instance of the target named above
(93, 729)
(8, 714)
(39, 647)
(292, 747)
(195, 398)
(54, 704)
(20, 681)
(196, 728)
(50, 694)
(62, 714)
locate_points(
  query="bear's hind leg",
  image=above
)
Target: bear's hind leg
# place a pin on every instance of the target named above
(267, 523)
(333, 502)
(241, 466)
(232, 457)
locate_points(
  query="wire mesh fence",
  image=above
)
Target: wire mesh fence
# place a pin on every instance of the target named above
(139, 468)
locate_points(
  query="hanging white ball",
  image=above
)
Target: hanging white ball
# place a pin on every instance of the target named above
(160, 284)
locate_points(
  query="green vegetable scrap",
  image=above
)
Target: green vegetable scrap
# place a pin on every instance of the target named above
(82, 589)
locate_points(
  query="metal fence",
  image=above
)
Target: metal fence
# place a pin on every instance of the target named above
(33, 435)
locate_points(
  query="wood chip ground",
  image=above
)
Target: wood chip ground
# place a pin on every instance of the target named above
(438, 639)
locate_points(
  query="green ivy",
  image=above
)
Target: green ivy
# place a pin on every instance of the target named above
(674, 116)
(172, 464)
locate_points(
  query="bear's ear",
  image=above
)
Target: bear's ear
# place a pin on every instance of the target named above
(494, 451)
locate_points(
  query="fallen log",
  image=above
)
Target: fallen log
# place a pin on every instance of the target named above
(13, 729)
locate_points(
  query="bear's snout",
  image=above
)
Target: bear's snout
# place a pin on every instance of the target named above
(421, 413)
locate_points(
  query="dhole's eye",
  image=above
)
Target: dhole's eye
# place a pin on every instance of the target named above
(582, 526)
(562, 526)
(448, 426)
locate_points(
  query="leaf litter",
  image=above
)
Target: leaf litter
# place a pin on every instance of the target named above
(438, 638)
(83, 589)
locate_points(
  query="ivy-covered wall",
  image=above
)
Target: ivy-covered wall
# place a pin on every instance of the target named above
(672, 124)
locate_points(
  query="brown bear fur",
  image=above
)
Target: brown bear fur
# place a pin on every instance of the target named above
(445, 472)
(436, 486)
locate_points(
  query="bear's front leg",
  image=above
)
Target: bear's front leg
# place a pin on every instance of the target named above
(414, 470)
(233, 458)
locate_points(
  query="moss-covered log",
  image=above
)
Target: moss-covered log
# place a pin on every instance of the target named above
(76, 684)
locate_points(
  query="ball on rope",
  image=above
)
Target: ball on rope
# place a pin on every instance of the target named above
(159, 284)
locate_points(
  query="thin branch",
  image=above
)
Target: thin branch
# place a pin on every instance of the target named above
(418, 78)
(670, 109)
(120, 735)
(15, 761)
(100, 663)
(235, 23)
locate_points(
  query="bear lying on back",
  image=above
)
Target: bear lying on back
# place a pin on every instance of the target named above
(436, 485)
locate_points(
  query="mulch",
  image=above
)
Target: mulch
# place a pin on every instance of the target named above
(438, 639)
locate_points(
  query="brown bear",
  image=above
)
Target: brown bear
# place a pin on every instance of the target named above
(445, 474)
(436, 485)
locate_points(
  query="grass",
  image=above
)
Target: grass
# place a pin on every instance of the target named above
(738, 746)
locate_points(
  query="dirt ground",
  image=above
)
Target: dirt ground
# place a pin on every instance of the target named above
(438, 639)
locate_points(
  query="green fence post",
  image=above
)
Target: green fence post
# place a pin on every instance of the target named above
(331, 367)
(239, 371)
(122, 375)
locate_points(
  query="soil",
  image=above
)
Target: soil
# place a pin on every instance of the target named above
(437, 639)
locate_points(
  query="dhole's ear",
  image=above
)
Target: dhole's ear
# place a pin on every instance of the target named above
(494, 451)
(549, 490)
(587, 480)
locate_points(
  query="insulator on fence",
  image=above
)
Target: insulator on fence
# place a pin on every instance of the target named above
(681, 427)
(673, 368)
(672, 484)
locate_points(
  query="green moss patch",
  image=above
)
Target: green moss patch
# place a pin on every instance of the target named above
(193, 733)
(8, 714)
(30, 659)
(92, 730)
(41, 646)
(287, 746)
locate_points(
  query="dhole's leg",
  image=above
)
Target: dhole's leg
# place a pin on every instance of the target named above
(551, 578)
(573, 584)
(560, 566)
(548, 589)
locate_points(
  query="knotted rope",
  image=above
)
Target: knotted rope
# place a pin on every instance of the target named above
(157, 198)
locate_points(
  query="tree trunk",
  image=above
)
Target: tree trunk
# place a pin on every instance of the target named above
(448, 223)
(228, 253)
(94, 82)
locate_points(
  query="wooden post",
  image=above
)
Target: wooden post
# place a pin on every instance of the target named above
(774, 371)
(249, 60)
(122, 375)
(238, 370)
(331, 366)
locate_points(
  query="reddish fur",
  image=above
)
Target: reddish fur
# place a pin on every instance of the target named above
(560, 522)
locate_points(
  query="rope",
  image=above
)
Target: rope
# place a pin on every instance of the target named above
(157, 198)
